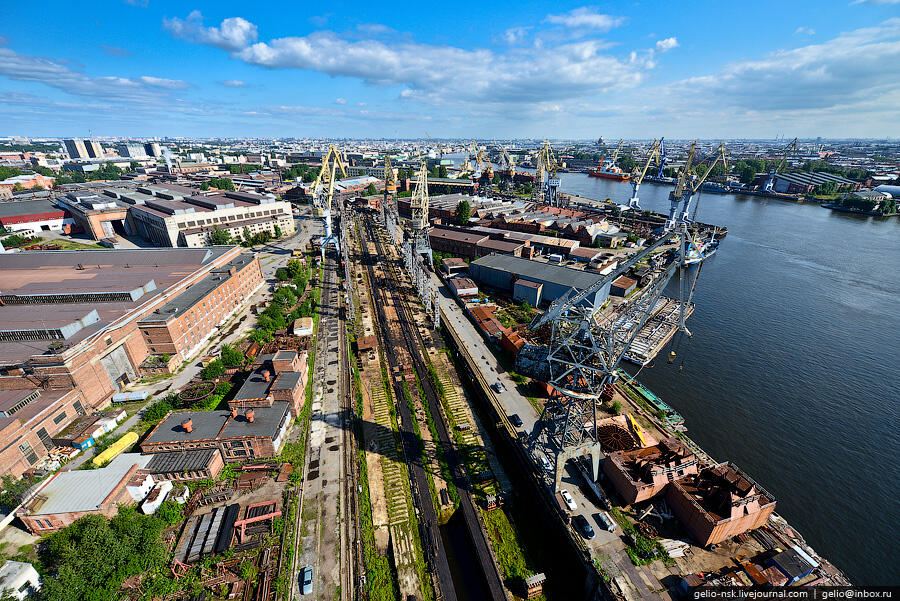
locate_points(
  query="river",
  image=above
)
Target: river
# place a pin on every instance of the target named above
(793, 371)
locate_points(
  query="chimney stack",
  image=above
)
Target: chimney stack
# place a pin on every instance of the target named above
(266, 375)
(249, 415)
(233, 413)
(188, 425)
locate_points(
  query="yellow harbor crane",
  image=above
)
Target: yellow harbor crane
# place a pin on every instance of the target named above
(323, 190)
(546, 184)
(637, 176)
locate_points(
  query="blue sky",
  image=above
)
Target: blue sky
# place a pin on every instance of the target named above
(461, 69)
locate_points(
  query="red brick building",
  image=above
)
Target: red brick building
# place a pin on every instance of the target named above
(718, 503)
(75, 327)
(640, 474)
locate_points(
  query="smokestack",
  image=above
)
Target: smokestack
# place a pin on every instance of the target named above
(266, 375)
(233, 413)
(188, 425)
(249, 415)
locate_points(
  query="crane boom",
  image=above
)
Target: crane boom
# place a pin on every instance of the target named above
(638, 174)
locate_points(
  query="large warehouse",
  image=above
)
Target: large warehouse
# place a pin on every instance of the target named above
(76, 326)
(504, 272)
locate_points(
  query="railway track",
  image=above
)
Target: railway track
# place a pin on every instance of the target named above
(413, 342)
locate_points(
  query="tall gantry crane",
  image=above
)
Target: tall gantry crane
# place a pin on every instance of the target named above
(418, 222)
(507, 169)
(323, 192)
(785, 153)
(388, 212)
(587, 344)
(637, 176)
(546, 183)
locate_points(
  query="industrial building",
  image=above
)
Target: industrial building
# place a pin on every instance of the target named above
(506, 273)
(258, 433)
(463, 287)
(29, 217)
(802, 182)
(19, 580)
(75, 326)
(641, 474)
(69, 495)
(173, 215)
(719, 502)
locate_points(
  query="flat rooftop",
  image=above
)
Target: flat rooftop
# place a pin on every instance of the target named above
(536, 270)
(212, 425)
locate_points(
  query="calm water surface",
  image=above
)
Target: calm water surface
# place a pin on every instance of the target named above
(793, 371)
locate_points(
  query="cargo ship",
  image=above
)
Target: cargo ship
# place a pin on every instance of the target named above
(609, 170)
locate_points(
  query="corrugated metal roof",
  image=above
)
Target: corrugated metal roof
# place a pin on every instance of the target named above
(85, 490)
(536, 270)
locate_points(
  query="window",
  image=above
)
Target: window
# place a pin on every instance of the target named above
(108, 341)
(78, 408)
(59, 418)
(45, 438)
(28, 453)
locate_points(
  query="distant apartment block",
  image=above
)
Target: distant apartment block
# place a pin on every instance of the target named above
(76, 149)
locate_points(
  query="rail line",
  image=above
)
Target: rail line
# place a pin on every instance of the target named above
(412, 340)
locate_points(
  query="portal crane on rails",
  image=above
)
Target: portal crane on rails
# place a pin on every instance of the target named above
(785, 153)
(323, 192)
(546, 183)
(637, 176)
(507, 169)
(587, 344)
(388, 212)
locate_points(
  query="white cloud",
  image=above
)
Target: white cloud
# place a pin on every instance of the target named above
(169, 84)
(233, 34)
(804, 31)
(586, 18)
(514, 35)
(666, 44)
(520, 75)
(234, 83)
(23, 67)
(855, 65)
(340, 101)
(875, 2)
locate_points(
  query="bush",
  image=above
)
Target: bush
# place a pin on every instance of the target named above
(158, 410)
(231, 357)
(616, 407)
(215, 369)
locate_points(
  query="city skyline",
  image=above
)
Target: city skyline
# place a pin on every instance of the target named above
(526, 71)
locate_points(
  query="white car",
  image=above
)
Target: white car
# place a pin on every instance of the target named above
(570, 502)
(545, 463)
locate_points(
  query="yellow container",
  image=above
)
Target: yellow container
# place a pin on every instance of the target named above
(117, 447)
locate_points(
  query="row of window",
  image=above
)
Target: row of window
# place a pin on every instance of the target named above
(214, 220)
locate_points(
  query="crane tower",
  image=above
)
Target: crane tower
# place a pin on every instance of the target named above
(323, 192)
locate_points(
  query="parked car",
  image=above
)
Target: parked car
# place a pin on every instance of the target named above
(498, 387)
(604, 520)
(545, 463)
(515, 420)
(306, 580)
(582, 525)
(570, 502)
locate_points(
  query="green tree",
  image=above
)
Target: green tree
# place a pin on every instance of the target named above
(204, 186)
(218, 236)
(277, 231)
(231, 357)
(442, 171)
(282, 274)
(246, 234)
(627, 163)
(463, 212)
(370, 190)
(215, 369)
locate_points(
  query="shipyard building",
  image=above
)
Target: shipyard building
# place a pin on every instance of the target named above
(77, 326)
(535, 282)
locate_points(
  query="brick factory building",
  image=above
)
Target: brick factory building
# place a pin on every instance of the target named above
(718, 503)
(76, 325)
(33, 216)
(641, 474)
(261, 412)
